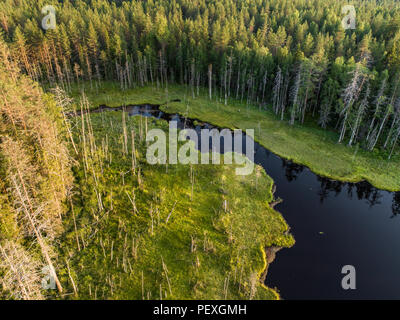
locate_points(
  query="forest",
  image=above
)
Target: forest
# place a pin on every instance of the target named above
(76, 194)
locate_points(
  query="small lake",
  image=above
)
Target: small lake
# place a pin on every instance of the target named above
(334, 224)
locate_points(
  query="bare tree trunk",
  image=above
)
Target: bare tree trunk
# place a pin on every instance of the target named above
(210, 81)
(381, 127)
(229, 76)
(295, 94)
(360, 112)
(378, 102)
(263, 89)
(238, 82)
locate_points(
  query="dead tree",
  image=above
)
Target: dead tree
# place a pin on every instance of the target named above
(276, 91)
(35, 220)
(21, 276)
(360, 113)
(350, 96)
(378, 102)
(210, 81)
(295, 97)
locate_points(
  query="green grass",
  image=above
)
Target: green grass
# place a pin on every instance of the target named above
(308, 144)
(229, 256)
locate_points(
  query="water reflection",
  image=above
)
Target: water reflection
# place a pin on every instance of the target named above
(292, 170)
(396, 204)
(362, 190)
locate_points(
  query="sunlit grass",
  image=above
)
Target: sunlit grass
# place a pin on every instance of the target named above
(205, 251)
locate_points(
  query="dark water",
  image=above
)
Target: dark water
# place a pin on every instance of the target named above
(334, 224)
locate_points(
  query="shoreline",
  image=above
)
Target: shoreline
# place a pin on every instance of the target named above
(306, 145)
(164, 108)
(355, 179)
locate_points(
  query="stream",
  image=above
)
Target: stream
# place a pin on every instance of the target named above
(334, 224)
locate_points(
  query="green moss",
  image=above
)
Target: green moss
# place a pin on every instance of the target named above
(308, 144)
(204, 251)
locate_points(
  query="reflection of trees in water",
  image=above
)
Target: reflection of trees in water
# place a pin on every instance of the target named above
(367, 191)
(328, 186)
(396, 204)
(373, 199)
(363, 190)
(292, 170)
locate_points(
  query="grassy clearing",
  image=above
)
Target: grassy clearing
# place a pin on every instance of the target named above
(308, 145)
(123, 245)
